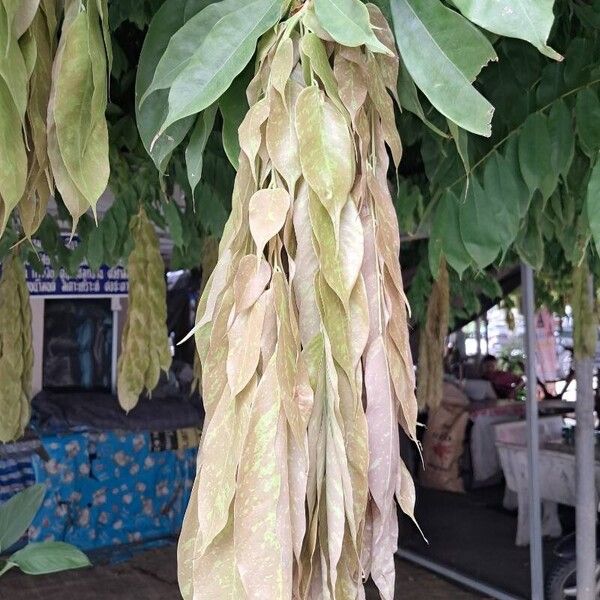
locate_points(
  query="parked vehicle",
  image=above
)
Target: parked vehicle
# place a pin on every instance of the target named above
(561, 580)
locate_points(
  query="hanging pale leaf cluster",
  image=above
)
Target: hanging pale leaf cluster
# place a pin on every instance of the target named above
(302, 331)
(145, 343)
(430, 378)
(16, 350)
(53, 94)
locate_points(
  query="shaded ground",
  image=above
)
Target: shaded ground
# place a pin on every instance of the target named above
(152, 576)
(472, 533)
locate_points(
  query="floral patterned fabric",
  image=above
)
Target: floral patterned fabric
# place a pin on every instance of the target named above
(112, 488)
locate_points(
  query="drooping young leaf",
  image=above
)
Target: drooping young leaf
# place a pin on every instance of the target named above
(529, 20)
(593, 203)
(347, 22)
(321, 127)
(426, 34)
(224, 52)
(267, 213)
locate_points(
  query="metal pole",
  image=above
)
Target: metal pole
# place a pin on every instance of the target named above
(533, 444)
(586, 502)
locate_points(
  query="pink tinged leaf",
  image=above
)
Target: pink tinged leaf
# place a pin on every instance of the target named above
(220, 456)
(359, 320)
(268, 340)
(287, 353)
(384, 445)
(249, 283)
(284, 509)
(385, 107)
(214, 372)
(352, 86)
(282, 65)
(215, 286)
(281, 139)
(250, 135)
(340, 256)
(307, 265)
(388, 63)
(215, 572)
(267, 213)
(385, 538)
(402, 378)
(244, 346)
(326, 150)
(258, 549)
(186, 546)
(406, 494)
(298, 478)
(354, 427)
(367, 545)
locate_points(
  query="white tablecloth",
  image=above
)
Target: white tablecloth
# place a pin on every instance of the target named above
(557, 485)
(484, 455)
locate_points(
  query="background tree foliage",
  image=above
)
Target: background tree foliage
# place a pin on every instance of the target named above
(529, 191)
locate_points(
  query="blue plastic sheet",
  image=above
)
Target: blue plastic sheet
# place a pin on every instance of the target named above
(112, 488)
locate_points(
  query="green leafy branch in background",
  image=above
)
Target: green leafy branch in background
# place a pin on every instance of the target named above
(16, 514)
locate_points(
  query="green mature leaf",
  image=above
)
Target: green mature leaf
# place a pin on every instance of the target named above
(17, 513)
(95, 249)
(222, 55)
(461, 140)
(186, 43)
(234, 106)
(560, 127)
(49, 557)
(511, 156)
(592, 203)
(409, 98)
(173, 219)
(481, 226)
(529, 20)
(445, 234)
(502, 190)
(194, 153)
(347, 22)
(427, 34)
(530, 243)
(171, 16)
(535, 149)
(587, 115)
